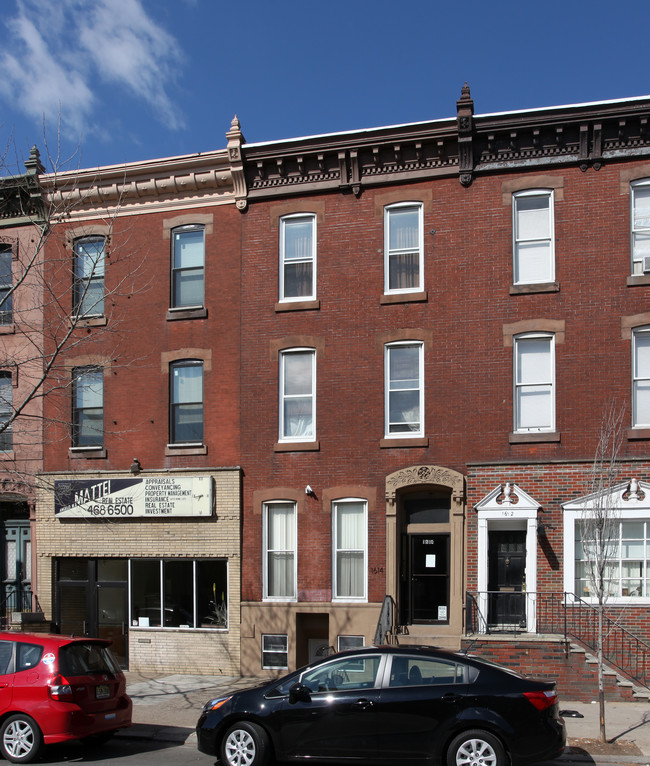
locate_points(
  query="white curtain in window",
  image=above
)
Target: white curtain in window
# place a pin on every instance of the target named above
(642, 378)
(281, 549)
(534, 384)
(350, 549)
(298, 395)
(533, 239)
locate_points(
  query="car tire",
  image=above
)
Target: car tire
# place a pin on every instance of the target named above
(20, 739)
(245, 744)
(476, 746)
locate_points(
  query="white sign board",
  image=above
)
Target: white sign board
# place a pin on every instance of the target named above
(136, 497)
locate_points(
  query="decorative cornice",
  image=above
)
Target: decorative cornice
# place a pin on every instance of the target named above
(468, 146)
(168, 184)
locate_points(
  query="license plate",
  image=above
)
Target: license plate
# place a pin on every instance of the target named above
(102, 692)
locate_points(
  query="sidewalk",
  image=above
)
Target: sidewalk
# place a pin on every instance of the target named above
(166, 707)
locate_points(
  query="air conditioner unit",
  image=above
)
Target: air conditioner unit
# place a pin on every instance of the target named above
(646, 264)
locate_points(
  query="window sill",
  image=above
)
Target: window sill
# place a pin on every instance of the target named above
(534, 437)
(186, 449)
(416, 297)
(638, 433)
(75, 453)
(638, 279)
(282, 306)
(7, 455)
(541, 287)
(195, 312)
(7, 329)
(296, 446)
(407, 441)
(90, 321)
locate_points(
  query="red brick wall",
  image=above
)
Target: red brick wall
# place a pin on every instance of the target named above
(136, 391)
(468, 371)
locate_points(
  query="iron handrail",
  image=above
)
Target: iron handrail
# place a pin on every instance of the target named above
(567, 614)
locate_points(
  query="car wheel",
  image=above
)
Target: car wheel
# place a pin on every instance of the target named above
(245, 744)
(20, 739)
(476, 748)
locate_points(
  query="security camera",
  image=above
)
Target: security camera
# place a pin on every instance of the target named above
(308, 490)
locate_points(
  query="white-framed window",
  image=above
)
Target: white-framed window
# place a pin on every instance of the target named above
(188, 266)
(640, 228)
(275, 651)
(350, 545)
(186, 402)
(534, 378)
(349, 642)
(626, 547)
(179, 593)
(298, 257)
(298, 395)
(533, 237)
(403, 247)
(404, 387)
(280, 560)
(641, 377)
(6, 285)
(87, 406)
(6, 411)
(89, 267)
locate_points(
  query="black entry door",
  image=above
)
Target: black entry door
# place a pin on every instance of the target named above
(425, 573)
(507, 567)
(92, 600)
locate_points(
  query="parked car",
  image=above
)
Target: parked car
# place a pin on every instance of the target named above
(56, 688)
(388, 703)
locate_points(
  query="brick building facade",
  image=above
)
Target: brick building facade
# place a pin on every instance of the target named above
(139, 501)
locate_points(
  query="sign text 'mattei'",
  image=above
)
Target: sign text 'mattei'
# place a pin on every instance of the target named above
(134, 497)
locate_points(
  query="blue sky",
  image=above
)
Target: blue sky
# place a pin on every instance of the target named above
(100, 82)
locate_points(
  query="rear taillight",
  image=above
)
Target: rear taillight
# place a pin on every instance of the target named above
(542, 700)
(59, 689)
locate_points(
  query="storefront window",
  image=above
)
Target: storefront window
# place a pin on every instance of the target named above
(193, 594)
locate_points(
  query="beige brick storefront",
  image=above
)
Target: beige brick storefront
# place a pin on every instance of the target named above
(144, 543)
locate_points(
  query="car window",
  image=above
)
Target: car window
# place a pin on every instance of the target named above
(27, 655)
(6, 652)
(81, 659)
(343, 674)
(419, 671)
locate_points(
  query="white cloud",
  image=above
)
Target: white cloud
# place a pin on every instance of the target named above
(57, 55)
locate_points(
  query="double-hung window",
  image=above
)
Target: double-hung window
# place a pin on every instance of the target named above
(6, 284)
(298, 395)
(87, 407)
(350, 545)
(403, 248)
(89, 290)
(298, 257)
(533, 235)
(188, 266)
(6, 411)
(404, 387)
(186, 402)
(640, 194)
(280, 551)
(534, 377)
(641, 377)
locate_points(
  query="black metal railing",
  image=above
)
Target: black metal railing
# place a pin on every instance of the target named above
(23, 600)
(568, 615)
(385, 631)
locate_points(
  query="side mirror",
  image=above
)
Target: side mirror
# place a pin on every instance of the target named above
(299, 693)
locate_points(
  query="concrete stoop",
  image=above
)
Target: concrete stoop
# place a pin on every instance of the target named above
(638, 693)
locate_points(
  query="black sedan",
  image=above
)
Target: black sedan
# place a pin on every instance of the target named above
(388, 703)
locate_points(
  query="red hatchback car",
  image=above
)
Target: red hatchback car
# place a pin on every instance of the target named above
(55, 688)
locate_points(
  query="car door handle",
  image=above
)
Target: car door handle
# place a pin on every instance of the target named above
(450, 697)
(364, 704)
(3, 686)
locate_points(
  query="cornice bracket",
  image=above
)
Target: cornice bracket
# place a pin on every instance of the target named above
(465, 126)
(235, 141)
